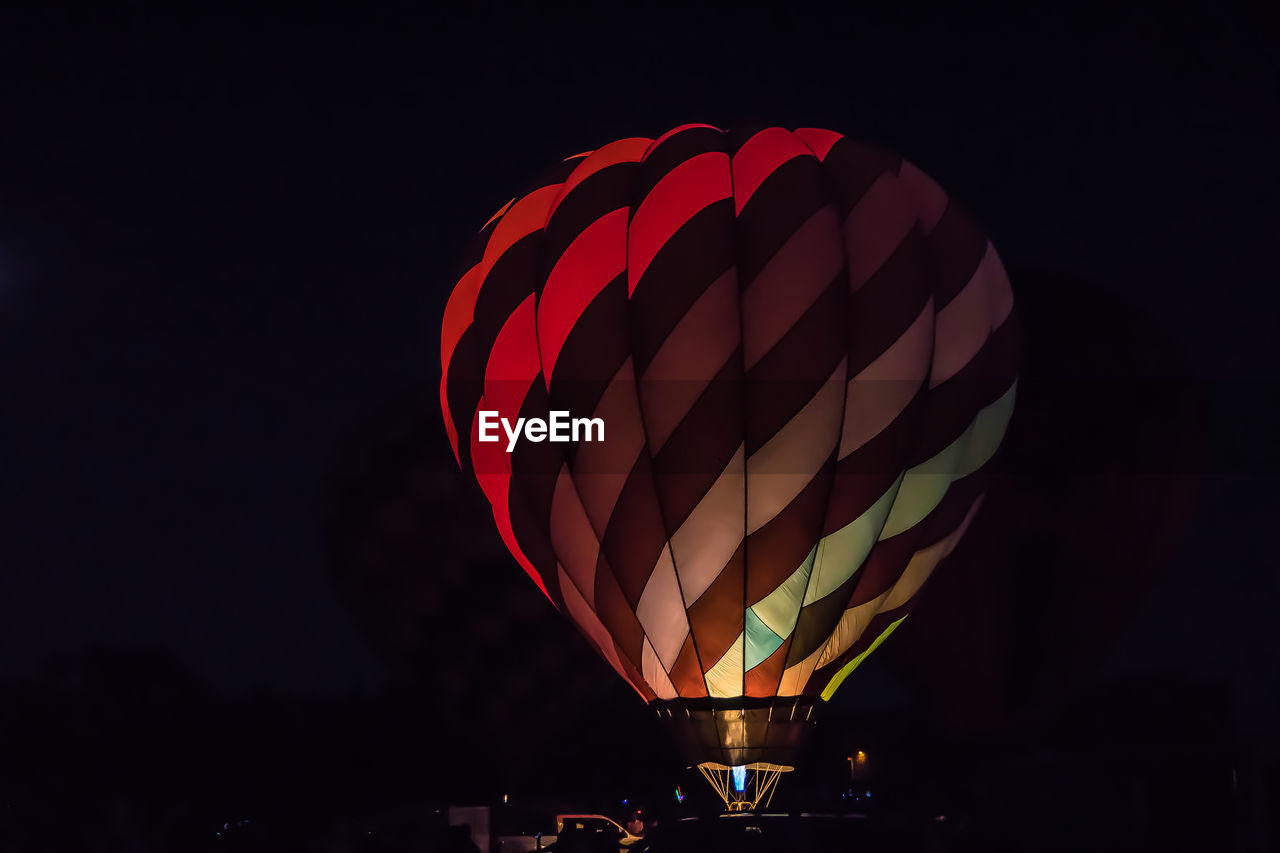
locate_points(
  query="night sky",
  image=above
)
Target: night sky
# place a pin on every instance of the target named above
(226, 239)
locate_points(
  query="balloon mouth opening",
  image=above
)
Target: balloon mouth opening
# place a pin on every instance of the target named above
(739, 732)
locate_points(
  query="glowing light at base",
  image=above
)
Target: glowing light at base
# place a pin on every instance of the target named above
(746, 786)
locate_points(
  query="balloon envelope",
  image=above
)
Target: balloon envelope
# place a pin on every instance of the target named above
(801, 357)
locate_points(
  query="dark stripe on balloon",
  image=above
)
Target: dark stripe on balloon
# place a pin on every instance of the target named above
(881, 570)
(531, 532)
(686, 674)
(782, 383)
(878, 625)
(817, 620)
(679, 196)
(759, 153)
(852, 167)
(624, 152)
(535, 467)
(618, 615)
(716, 618)
(819, 141)
(508, 284)
(591, 356)
(670, 152)
(957, 245)
(891, 300)
(954, 404)
(866, 474)
(706, 440)
(785, 201)
(779, 548)
(763, 678)
(635, 537)
(951, 512)
(603, 192)
(681, 271)
(634, 674)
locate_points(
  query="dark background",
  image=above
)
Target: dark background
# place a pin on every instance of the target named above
(226, 238)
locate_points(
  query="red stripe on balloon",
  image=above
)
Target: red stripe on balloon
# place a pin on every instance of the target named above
(493, 474)
(527, 215)
(513, 361)
(623, 151)
(519, 218)
(498, 215)
(458, 314)
(759, 157)
(596, 257)
(512, 368)
(687, 189)
(670, 133)
(818, 140)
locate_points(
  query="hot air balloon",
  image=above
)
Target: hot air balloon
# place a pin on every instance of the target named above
(792, 357)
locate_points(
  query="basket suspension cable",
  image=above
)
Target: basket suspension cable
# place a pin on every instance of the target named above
(771, 786)
(754, 792)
